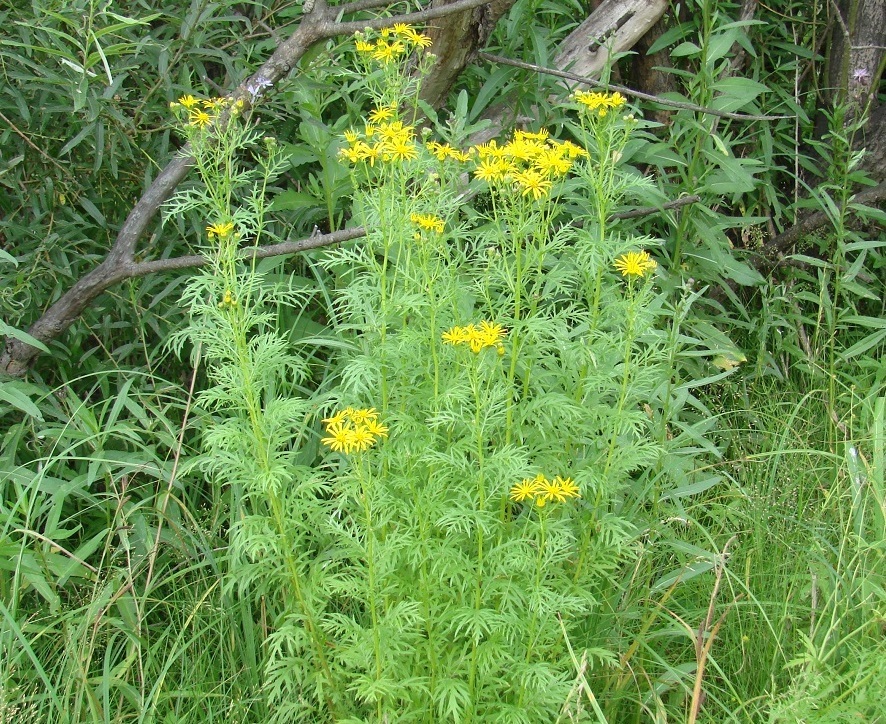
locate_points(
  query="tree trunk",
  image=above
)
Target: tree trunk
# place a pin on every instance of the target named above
(855, 65)
(455, 43)
(615, 26)
(644, 73)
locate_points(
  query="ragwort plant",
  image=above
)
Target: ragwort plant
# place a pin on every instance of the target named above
(254, 442)
(465, 511)
(508, 359)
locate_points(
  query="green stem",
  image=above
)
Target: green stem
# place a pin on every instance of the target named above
(365, 499)
(481, 507)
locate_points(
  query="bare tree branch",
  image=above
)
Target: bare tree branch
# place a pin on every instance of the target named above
(625, 91)
(411, 18)
(739, 54)
(262, 252)
(649, 210)
(318, 241)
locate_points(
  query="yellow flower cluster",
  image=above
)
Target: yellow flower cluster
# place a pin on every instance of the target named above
(387, 141)
(635, 264)
(392, 43)
(442, 151)
(428, 222)
(601, 103)
(201, 113)
(353, 430)
(542, 491)
(531, 161)
(478, 338)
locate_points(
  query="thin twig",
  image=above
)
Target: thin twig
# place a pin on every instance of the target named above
(318, 241)
(647, 210)
(39, 150)
(626, 91)
(408, 18)
(262, 252)
(56, 544)
(702, 646)
(356, 7)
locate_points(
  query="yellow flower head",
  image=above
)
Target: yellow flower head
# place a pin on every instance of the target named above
(382, 114)
(362, 438)
(428, 222)
(635, 264)
(600, 103)
(442, 151)
(526, 489)
(572, 150)
(400, 149)
(350, 154)
(340, 437)
(221, 230)
(490, 334)
(188, 101)
(490, 150)
(567, 487)
(523, 149)
(533, 182)
(373, 153)
(457, 335)
(394, 130)
(385, 51)
(540, 135)
(477, 338)
(407, 33)
(542, 491)
(492, 169)
(199, 118)
(375, 428)
(361, 416)
(552, 163)
(438, 150)
(419, 40)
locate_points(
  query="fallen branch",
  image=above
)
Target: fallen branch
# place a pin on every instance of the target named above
(781, 243)
(648, 210)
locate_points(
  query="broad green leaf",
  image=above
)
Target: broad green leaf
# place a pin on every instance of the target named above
(735, 92)
(685, 49)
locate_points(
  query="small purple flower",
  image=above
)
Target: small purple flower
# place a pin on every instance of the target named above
(255, 86)
(861, 75)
